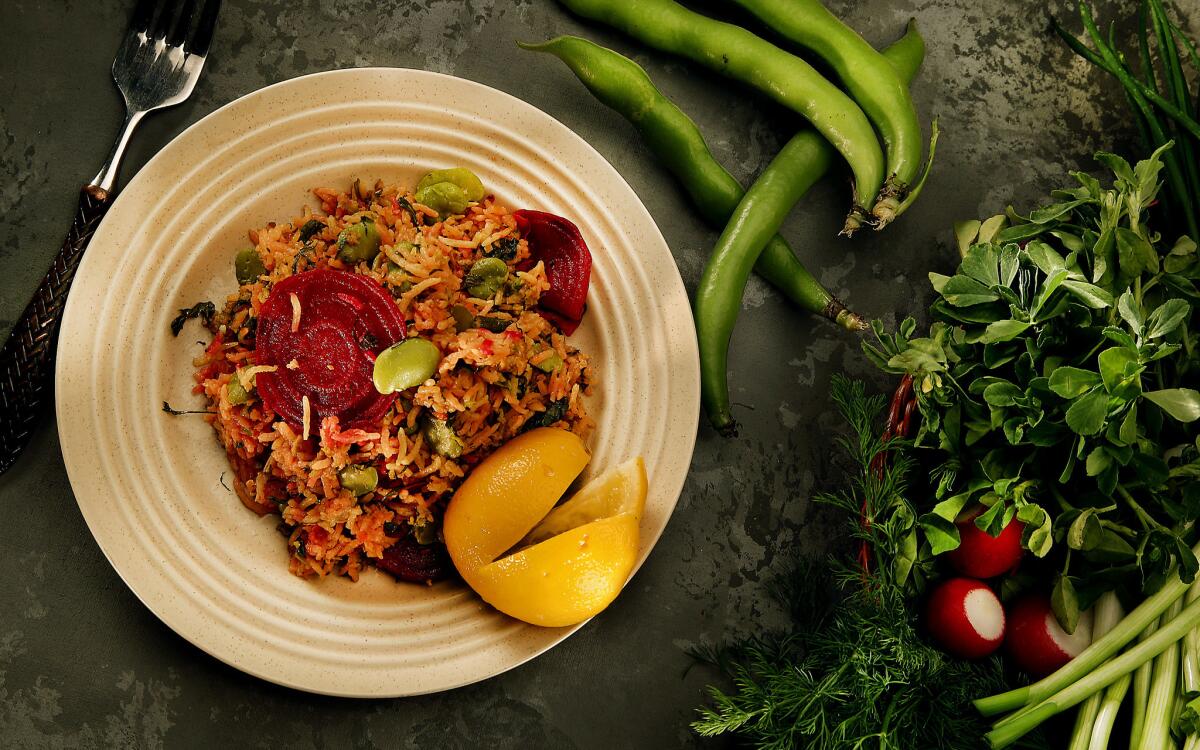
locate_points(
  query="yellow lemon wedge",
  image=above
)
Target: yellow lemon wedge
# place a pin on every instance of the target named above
(619, 490)
(579, 555)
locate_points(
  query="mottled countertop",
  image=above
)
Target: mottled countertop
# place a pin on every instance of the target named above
(84, 664)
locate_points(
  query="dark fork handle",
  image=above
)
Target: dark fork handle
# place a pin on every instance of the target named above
(27, 359)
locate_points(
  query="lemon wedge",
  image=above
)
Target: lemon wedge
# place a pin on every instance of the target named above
(620, 490)
(571, 561)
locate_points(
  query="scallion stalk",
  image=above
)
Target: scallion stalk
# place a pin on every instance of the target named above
(1141, 690)
(1102, 673)
(1093, 656)
(1110, 706)
(1108, 613)
(1156, 729)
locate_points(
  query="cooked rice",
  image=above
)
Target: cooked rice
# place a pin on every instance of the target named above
(487, 384)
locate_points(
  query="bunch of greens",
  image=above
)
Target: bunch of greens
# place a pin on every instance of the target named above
(1057, 385)
(855, 671)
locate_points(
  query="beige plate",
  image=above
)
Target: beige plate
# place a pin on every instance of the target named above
(151, 485)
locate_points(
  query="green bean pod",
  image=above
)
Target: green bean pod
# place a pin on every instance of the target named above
(739, 54)
(870, 79)
(671, 135)
(801, 162)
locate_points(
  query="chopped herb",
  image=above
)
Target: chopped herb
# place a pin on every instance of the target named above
(202, 310)
(368, 341)
(504, 249)
(391, 528)
(554, 412)
(412, 212)
(425, 532)
(177, 412)
(311, 227)
(492, 323)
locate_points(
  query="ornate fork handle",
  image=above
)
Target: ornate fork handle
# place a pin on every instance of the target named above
(27, 359)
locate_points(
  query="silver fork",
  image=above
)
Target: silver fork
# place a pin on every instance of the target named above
(157, 66)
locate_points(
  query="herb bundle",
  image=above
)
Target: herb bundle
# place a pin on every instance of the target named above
(1057, 385)
(854, 671)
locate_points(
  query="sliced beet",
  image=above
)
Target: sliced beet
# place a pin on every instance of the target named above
(412, 561)
(345, 320)
(556, 242)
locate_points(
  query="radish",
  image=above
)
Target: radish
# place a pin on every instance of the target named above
(965, 618)
(1036, 642)
(981, 555)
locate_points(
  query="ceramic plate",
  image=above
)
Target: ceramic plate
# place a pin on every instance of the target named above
(151, 485)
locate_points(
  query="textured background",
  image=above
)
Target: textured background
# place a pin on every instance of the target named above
(84, 664)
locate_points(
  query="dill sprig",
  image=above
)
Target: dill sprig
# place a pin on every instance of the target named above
(853, 671)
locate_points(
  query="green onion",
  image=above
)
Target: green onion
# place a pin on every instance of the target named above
(1141, 690)
(1102, 674)
(1108, 615)
(1156, 730)
(1100, 651)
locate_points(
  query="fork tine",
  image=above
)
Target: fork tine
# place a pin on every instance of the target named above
(143, 14)
(202, 37)
(162, 22)
(179, 31)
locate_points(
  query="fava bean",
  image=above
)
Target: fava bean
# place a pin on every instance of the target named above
(247, 266)
(359, 242)
(486, 277)
(359, 479)
(405, 365)
(460, 176)
(442, 438)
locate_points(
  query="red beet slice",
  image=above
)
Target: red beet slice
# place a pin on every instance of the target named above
(556, 242)
(345, 320)
(411, 561)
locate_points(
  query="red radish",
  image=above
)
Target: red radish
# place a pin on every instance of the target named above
(965, 618)
(981, 555)
(1036, 642)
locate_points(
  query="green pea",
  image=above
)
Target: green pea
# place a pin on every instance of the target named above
(486, 277)
(459, 176)
(463, 319)
(442, 438)
(406, 364)
(444, 197)
(247, 266)
(551, 363)
(359, 242)
(359, 479)
(235, 392)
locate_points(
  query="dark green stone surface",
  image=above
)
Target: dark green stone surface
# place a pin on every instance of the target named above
(84, 664)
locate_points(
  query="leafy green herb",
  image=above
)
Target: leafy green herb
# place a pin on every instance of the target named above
(202, 310)
(554, 412)
(310, 227)
(853, 672)
(505, 249)
(1060, 384)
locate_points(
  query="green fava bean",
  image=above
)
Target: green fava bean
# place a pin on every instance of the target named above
(235, 392)
(442, 438)
(358, 242)
(486, 277)
(424, 532)
(247, 266)
(460, 176)
(406, 364)
(359, 479)
(444, 197)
